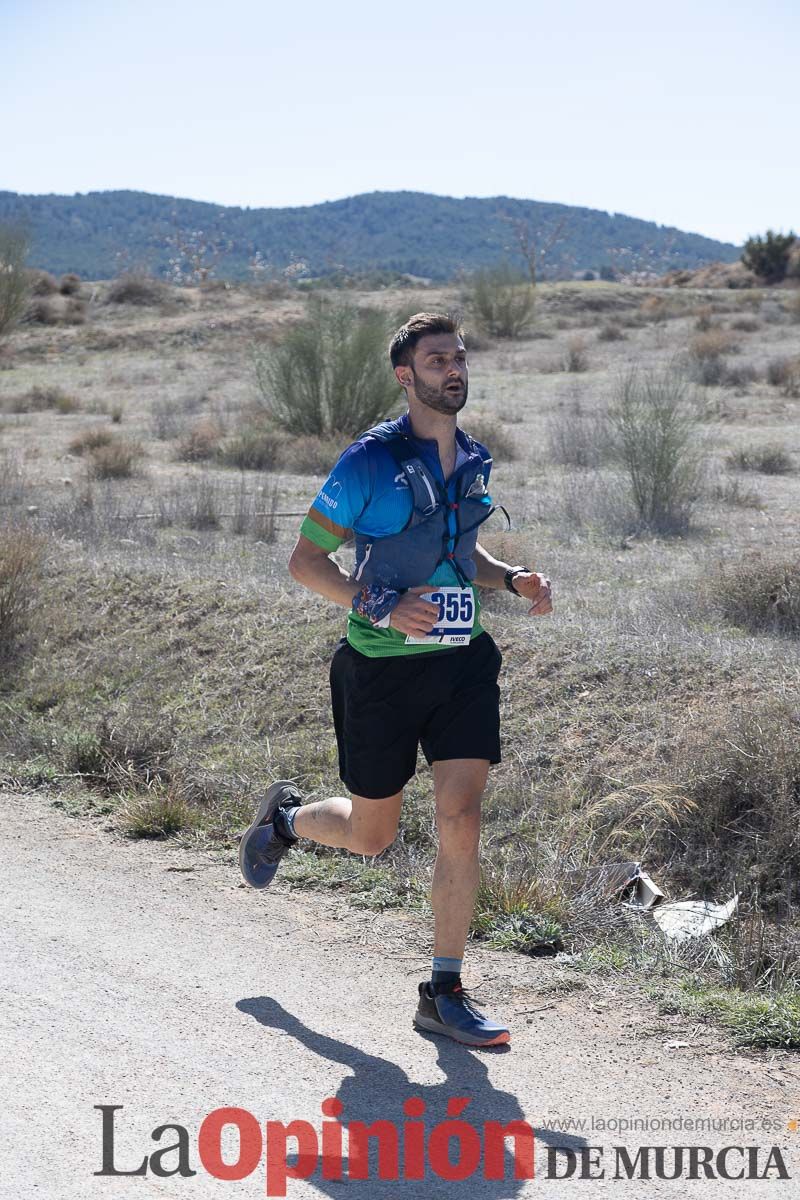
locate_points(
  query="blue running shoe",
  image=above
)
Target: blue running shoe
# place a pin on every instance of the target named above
(449, 1010)
(262, 847)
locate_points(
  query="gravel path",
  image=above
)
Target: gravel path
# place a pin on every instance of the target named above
(146, 976)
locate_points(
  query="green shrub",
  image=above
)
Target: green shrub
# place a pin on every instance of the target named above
(768, 257)
(15, 283)
(330, 374)
(501, 301)
(653, 421)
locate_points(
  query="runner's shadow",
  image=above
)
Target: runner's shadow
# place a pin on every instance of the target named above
(377, 1090)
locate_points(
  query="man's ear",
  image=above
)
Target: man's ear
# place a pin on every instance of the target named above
(404, 376)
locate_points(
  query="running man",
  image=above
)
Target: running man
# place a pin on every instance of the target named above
(416, 667)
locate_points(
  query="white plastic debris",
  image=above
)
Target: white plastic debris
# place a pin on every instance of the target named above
(693, 918)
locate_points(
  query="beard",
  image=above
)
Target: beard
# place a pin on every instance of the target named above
(438, 398)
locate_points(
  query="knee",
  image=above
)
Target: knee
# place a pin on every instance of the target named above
(459, 818)
(372, 842)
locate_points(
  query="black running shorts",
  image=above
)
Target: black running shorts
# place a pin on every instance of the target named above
(384, 708)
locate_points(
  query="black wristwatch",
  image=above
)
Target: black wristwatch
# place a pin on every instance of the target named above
(508, 578)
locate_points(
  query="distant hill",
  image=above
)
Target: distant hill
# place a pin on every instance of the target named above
(98, 234)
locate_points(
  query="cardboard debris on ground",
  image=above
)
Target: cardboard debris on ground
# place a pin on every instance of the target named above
(626, 880)
(693, 918)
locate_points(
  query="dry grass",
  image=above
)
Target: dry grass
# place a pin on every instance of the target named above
(201, 443)
(137, 289)
(619, 674)
(768, 460)
(21, 556)
(759, 594)
(117, 459)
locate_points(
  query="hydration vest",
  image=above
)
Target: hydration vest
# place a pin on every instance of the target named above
(410, 557)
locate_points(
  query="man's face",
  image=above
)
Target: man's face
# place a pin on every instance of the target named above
(439, 375)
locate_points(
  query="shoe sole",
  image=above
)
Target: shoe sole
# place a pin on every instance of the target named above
(265, 809)
(467, 1039)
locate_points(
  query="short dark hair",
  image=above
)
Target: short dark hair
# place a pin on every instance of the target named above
(401, 347)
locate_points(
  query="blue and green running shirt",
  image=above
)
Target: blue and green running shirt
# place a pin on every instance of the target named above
(368, 493)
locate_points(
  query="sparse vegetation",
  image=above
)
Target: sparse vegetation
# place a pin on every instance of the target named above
(15, 284)
(768, 460)
(330, 373)
(502, 302)
(761, 595)
(576, 360)
(137, 288)
(21, 555)
(654, 423)
(168, 596)
(114, 459)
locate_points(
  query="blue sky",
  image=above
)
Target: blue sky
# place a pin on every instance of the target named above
(683, 113)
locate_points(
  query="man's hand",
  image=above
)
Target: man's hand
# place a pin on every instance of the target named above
(538, 590)
(412, 616)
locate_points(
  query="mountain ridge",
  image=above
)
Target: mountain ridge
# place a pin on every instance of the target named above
(97, 234)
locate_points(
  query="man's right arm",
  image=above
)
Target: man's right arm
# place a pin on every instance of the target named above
(311, 566)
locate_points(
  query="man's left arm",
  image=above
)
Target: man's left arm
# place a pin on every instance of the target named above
(529, 584)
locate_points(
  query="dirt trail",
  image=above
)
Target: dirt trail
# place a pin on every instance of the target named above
(146, 976)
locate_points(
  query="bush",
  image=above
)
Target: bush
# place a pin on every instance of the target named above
(784, 373)
(136, 287)
(768, 460)
(575, 358)
(742, 771)
(760, 595)
(114, 460)
(200, 443)
(70, 285)
(40, 399)
(611, 333)
(21, 554)
(501, 300)
(330, 374)
(91, 440)
(14, 280)
(502, 442)
(42, 312)
(768, 257)
(654, 425)
(254, 448)
(746, 324)
(42, 283)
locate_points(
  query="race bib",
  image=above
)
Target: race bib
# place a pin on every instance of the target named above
(456, 617)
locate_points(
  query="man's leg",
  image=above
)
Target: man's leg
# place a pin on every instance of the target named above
(459, 784)
(358, 824)
(444, 1007)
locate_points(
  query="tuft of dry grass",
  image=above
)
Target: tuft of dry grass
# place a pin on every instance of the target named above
(91, 440)
(137, 288)
(759, 594)
(611, 333)
(784, 373)
(767, 460)
(116, 459)
(497, 437)
(575, 359)
(201, 443)
(21, 556)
